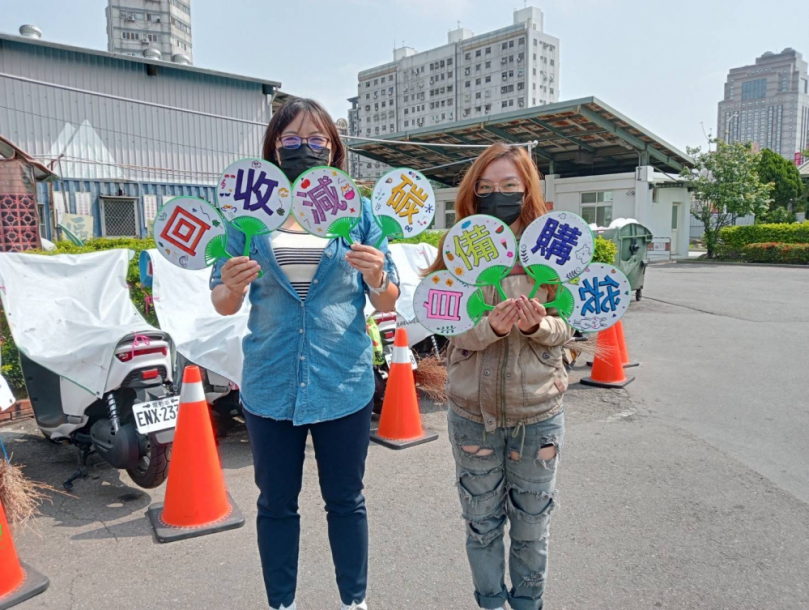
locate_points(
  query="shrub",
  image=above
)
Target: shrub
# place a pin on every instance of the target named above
(11, 360)
(431, 237)
(736, 238)
(606, 251)
(779, 253)
(776, 216)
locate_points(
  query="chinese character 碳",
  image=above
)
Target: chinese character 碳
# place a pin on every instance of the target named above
(253, 191)
(407, 199)
(476, 244)
(323, 198)
(557, 240)
(599, 301)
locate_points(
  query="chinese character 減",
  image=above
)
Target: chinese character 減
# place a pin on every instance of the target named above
(599, 301)
(323, 198)
(476, 244)
(557, 240)
(253, 191)
(406, 199)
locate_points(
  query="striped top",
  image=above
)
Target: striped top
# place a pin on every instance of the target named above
(298, 254)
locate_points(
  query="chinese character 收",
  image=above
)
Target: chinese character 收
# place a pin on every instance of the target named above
(557, 240)
(599, 301)
(323, 198)
(407, 199)
(253, 191)
(476, 244)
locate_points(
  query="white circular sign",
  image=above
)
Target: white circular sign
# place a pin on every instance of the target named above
(326, 202)
(254, 195)
(480, 250)
(561, 241)
(190, 233)
(447, 306)
(404, 202)
(600, 297)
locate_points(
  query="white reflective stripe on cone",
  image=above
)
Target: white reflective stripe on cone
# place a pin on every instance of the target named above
(192, 392)
(401, 355)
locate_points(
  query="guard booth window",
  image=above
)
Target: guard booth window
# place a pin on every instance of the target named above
(119, 217)
(596, 207)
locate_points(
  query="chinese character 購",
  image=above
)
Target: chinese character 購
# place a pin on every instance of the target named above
(557, 240)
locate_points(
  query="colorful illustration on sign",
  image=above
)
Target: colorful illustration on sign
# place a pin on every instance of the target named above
(556, 247)
(600, 298)
(190, 233)
(480, 250)
(403, 203)
(254, 195)
(446, 306)
(326, 202)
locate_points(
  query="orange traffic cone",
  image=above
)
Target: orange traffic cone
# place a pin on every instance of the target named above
(400, 423)
(18, 582)
(619, 331)
(196, 500)
(608, 371)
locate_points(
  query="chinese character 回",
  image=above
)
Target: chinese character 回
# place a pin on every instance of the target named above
(323, 198)
(407, 199)
(252, 194)
(557, 240)
(596, 300)
(476, 244)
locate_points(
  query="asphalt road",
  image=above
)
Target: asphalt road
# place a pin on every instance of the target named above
(687, 490)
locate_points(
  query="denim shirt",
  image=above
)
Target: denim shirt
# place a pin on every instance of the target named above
(308, 361)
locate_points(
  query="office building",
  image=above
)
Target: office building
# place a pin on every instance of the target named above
(767, 103)
(145, 27)
(469, 77)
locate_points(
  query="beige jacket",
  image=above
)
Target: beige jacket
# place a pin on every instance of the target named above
(500, 381)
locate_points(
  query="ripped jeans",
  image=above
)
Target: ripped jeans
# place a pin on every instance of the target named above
(501, 475)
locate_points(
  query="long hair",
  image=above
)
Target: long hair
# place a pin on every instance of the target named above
(466, 203)
(287, 113)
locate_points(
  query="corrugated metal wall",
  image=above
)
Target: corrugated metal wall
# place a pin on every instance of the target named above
(106, 139)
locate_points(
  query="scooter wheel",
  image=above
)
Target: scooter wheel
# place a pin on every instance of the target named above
(153, 467)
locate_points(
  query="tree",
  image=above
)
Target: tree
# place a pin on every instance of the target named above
(725, 184)
(788, 188)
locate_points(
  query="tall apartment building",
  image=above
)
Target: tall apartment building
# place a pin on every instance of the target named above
(471, 76)
(768, 104)
(133, 26)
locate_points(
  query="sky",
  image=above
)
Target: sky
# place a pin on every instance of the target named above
(662, 64)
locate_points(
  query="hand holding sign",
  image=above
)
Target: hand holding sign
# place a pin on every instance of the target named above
(190, 233)
(480, 250)
(254, 196)
(404, 203)
(326, 202)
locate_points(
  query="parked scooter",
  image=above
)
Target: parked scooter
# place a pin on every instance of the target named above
(98, 375)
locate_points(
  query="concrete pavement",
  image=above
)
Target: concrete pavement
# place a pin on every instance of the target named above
(672, 491)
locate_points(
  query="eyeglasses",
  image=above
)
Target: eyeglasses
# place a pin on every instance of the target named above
(316, 143)
(484, 188)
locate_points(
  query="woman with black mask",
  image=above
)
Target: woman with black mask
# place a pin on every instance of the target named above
(308, 363)
(505, 382)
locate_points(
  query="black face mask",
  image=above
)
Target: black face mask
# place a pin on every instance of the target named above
(295, 161)
(505, 206)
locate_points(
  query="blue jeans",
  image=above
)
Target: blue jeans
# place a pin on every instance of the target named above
(341, 446)
(501, 475)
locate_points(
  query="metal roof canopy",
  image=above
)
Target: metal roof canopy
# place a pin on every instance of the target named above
(581, 137)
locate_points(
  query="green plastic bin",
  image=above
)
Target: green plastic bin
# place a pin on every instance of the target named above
(632, 241)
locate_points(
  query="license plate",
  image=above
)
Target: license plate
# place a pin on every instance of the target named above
(156, 415)
(414, 366)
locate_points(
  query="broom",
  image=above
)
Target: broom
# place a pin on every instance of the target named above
(19, 495)
(431, 378)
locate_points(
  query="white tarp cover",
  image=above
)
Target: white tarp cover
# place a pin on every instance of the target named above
(182, 299)
(6, 397)
(410, 260)
(68, 312)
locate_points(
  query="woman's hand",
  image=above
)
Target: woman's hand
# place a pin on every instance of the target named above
(531, 312)
(238, 273)
(369, 261)
(503, 317)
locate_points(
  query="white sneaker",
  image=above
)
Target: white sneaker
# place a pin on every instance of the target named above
(292, 607)
(355, 606)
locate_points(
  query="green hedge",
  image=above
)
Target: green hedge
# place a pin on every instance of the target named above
(736, 238)
(779, 253)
